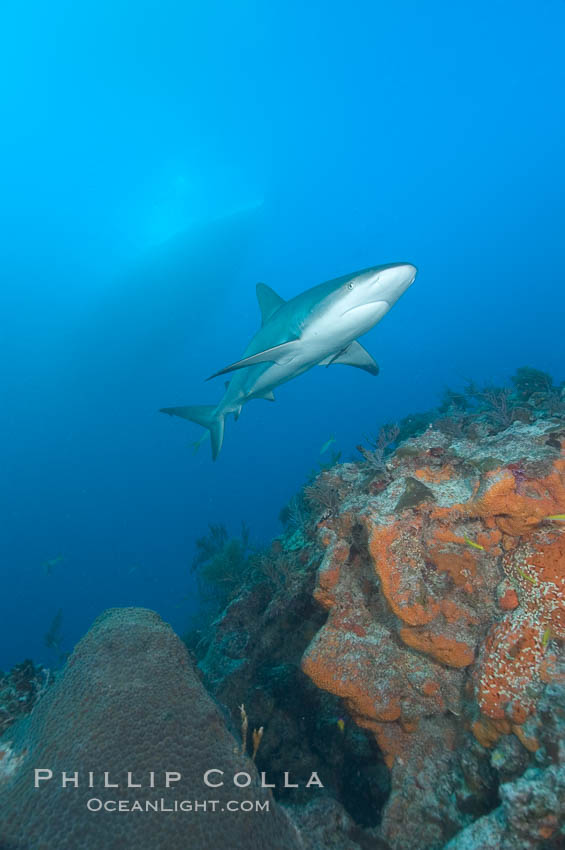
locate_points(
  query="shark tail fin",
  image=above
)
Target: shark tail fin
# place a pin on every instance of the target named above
(205, 415)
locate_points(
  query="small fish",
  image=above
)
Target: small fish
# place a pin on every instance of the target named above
(197, 443)
(474, 545)
(327, 444)
(546, 637)
(556, 517)
(527, 577)
(51, 563)
(341, 724)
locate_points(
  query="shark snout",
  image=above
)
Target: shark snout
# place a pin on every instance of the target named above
(393, 281)
(406, 273)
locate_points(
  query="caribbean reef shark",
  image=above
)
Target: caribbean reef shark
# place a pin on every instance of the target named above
(317, 327)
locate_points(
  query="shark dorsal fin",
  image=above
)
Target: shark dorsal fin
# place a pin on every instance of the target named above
(269, 301)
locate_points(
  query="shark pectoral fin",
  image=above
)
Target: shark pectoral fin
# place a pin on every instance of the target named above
(354, 355)
(269, 301)
(268, 396)
(280, 354)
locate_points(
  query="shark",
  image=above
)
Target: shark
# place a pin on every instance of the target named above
(320, 326)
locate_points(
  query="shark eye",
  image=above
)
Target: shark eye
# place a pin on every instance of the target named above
(350, 285)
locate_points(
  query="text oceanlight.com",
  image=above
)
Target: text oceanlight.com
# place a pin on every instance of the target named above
(95, 804)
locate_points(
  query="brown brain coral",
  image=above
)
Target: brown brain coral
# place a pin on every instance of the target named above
(129, 700)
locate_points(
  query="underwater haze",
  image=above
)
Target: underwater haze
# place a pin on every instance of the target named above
(158, 159)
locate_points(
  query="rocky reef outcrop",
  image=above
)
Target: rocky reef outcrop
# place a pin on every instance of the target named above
(445, 594)
(421, 590)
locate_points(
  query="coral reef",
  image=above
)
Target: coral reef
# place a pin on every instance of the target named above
(19, 691)
(446, 611)
(219, 563)
(530, 815)
(437, 566)
(404, 638)
(129, 700)
(253, 657)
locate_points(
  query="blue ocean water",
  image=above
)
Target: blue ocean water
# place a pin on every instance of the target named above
(157, 160)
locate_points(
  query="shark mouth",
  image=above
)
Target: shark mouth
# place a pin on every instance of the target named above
(368, 304)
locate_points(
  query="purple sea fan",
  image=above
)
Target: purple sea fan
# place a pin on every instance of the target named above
(519, 474)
